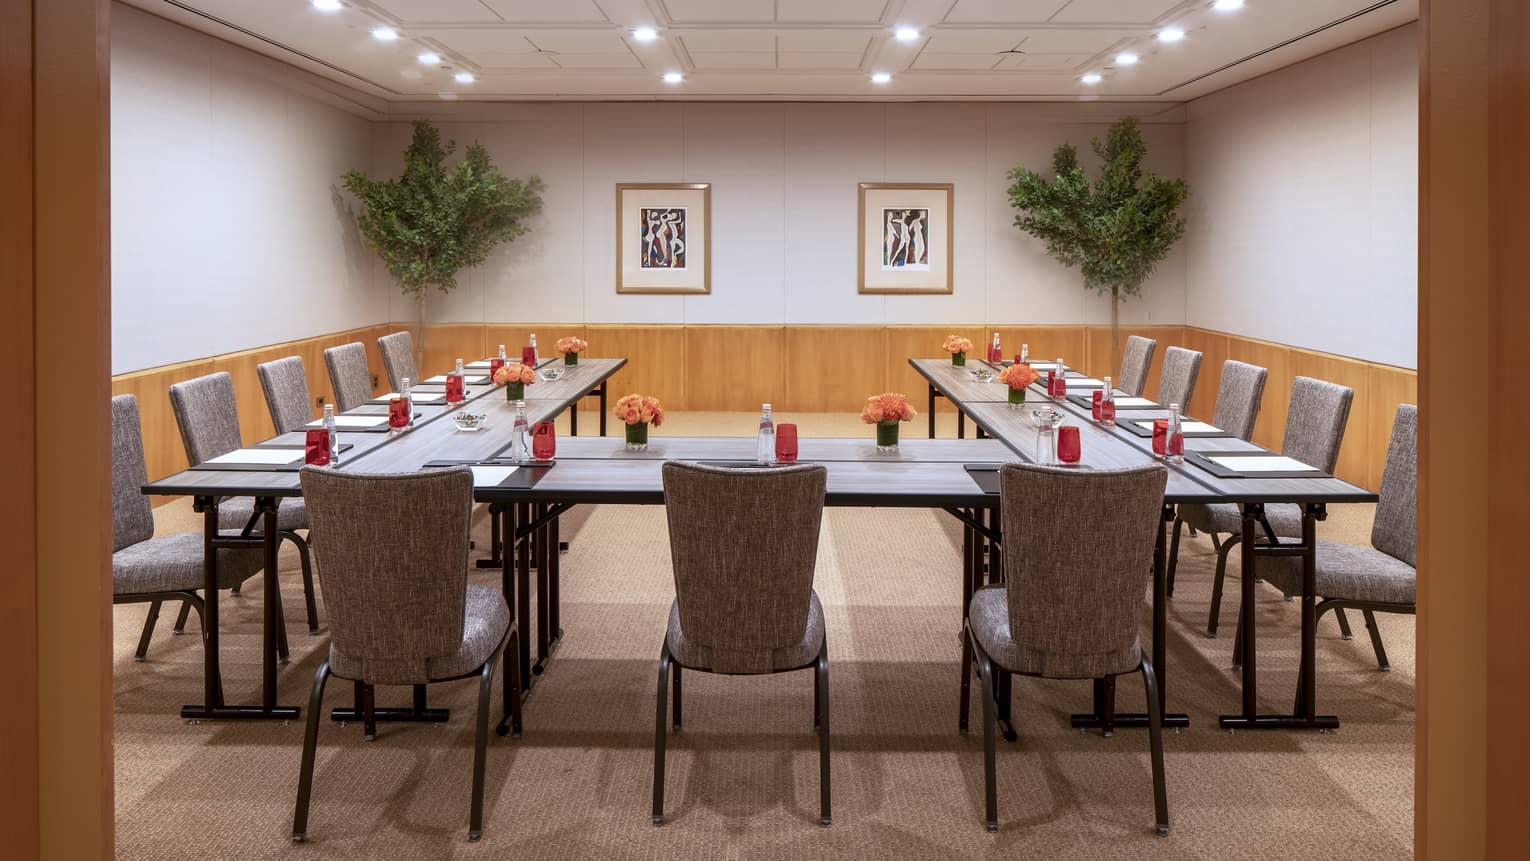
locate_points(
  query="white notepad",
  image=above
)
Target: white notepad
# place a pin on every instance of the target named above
(417, 397)
(482, 365)
(352, 422)
(1185, 426)
(492, 476)
(1085, 382)
(1130, 401)
(1260, 463)
(440, 379)
(272, 456)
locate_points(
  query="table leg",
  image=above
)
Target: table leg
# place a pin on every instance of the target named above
(554, 604)
(509, 688)
(522, 546)
(538, 540)
(573, 418)
(961, 424)
(932, 416)
(603, 389)
(496, 547)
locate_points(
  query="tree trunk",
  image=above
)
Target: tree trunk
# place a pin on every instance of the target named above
(421, 300)
(1115, 330)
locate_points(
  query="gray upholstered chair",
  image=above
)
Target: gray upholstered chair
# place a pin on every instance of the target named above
(1176, 384)
(393, 558)
(286, 386)
(349, 376)
(1239, 394)
(1380, 578)
(1071, 605)
(1315, 425)
(208, 415)
(153, 570)
(1135, 361)
(398, 358)
(744, 544)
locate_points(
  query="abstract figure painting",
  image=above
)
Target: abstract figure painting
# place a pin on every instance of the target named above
(905, 237)
(663, 238)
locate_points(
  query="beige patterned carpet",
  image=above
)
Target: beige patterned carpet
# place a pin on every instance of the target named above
(743, 773)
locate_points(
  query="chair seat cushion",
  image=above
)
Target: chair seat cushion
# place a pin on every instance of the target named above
(234, 513)
(1225, 518)
(1348, 572)
(688, 653)
(988, 619)
(485, 621)
(174, 564)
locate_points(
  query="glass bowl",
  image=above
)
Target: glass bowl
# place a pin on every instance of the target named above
(983, 375)
(550, 374)
(469, 421)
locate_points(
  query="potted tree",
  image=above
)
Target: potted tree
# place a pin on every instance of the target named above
(434, 220)
(1116, 229)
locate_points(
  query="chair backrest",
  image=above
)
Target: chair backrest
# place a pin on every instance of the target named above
(286, 387)
(392, 556)
(208, 415)
(398, 358)
(744, 544)
(1181, 368)
(1395, 530)
(1078, 553)
(1135, 362)
(1315, 422)
(132, 515)
(348, 374)
(1238, 397)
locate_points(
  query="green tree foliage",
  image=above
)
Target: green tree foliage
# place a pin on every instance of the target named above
(435, 220)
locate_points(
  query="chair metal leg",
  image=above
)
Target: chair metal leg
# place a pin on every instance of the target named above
(283, 654)
(967, 661)
(658, 736)
(1155, 742)
(1223, 549)
(148, 631)
(511, 692)
(1237, 657)
(1381, 651)
(821, 683)
(676, 669)
(1344, 631)
(481, 744)
(368, 713)
(990, 754)
(817, 717)
(310, 743)
(180, 620)
(1173, 558)
(308, 594)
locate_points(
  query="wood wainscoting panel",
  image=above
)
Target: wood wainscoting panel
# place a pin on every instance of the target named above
(163, 451)
(923, 342)
(1097, 351)
(656, 360)
(1270, 427)
(1388, 387)
(1213, 349)
(516, 336)
(734, 367)
(445, 343)
(1355, 453)
(1046, 342)
(833, 369)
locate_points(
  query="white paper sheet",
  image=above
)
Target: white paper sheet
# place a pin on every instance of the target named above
(1185, 426)
(1265, 463)
(492, 476)
(419, 397)
(440, 379)
(1129, 401)
(352, 422)
(273, 456)
(1085, 382)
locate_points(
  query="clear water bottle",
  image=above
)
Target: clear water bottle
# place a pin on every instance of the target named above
(765, 445)
(1025, 354)
(502, 352)
(520, 435)
(1175, 445)
(536, 358)
(995, 353)
(334, 438)
(1108, 405)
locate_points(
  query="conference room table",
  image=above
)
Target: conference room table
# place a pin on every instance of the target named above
(1193, 481)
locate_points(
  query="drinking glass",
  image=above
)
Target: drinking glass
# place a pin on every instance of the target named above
(1068, 447)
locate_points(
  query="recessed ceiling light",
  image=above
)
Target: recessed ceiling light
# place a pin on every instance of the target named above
(385, 34)
(1227, 5)
(880, 77)
(906, 34)
(673, 77)
(1126, 58)
(1091, 78)
(429, 58)
(327, 5)
(464, 77)
(1170, 34)
(645, 34)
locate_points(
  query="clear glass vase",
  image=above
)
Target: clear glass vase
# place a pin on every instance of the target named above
(570, 358)
(637, 437)
(1016, 398)
(959, 360)
(515, 392)
(887, 437)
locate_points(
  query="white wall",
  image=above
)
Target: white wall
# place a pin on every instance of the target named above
(1304, 203)
(784, 198)
(227, 230)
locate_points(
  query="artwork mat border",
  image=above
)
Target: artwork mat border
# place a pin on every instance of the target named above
(860, 231)
(706, 246)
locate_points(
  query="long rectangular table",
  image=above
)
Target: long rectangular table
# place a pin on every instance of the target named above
(1117, 447)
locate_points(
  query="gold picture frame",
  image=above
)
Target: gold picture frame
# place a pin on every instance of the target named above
(913, 251)
(664, 237)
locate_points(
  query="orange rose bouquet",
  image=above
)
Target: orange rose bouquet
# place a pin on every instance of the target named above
(570, 348)
(957, 346)
(1018, 377)
(514, 378)
(885, 411)
(638, 412)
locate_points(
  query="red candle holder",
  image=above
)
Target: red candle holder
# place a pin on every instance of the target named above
(1161, 437)
(316, 447)
(529, 356)
(786, 443)
(544, 441)
(398, 412)
(1096, 399)
(454, 388)
(1069, 449)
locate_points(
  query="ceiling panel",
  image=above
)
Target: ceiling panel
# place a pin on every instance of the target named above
(489, 61)
(545, 12)
(1003, 11)
(839, 41)
(1073, 41)
(470, 42)
(699, 11)
(1050, 62)
(974, 41)
(624, 60)
(727, 40)
(734, 59)
(1143, 12)
(818, 60)
(937, 61)
(578, 41)
(839, 12)
(436, 11)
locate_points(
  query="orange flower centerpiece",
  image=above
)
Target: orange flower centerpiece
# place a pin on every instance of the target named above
(957, 346)
(1018, 376)
(639, 411)
(514, 378)
(570, 348)
(885, 411)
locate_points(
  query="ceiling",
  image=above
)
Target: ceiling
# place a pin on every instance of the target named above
(788, 49)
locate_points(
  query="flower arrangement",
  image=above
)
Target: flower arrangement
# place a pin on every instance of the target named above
(638, 412)
(957, 346)
(514, 378)
(885, 411)
(1018, 376)
(570, 348)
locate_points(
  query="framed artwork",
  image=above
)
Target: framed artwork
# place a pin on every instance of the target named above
(904, 237)
(664, 237)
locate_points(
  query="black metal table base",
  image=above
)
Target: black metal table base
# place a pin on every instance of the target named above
(393, 715)
(1130, 720)
(1317, 722)
(198, 713)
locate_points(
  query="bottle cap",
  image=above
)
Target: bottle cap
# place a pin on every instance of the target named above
(765, 407)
